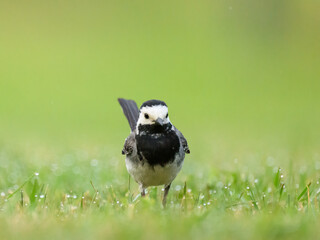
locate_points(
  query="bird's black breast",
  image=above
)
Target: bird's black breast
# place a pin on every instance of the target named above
(158, 148)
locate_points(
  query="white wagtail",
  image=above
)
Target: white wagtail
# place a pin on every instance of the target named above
(155, 149)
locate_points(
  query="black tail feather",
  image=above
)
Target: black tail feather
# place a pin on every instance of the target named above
(131, 111)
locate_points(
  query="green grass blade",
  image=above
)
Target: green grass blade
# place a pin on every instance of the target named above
(304, 191)
(21, 186)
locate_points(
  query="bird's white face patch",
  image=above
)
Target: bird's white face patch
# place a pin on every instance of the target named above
(148, 115)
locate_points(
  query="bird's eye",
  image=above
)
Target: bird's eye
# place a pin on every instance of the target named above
(146, 115)
(167, 115)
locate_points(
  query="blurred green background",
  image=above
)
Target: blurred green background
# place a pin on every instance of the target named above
(241, 79)
(250, 67)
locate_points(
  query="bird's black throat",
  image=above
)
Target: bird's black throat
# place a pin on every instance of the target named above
(157, 144)
(154, 128)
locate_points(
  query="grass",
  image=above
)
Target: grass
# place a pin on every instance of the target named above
(86, 193)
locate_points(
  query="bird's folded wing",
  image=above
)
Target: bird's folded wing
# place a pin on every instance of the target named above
(183, 141)
(130, 146)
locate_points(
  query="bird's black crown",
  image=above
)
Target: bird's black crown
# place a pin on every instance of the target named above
(153, 102)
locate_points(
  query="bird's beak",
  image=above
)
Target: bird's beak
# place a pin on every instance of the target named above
(159, 121)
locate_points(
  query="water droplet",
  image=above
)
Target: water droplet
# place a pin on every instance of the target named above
(303, 169)
(3, 194)
(74, 196)
(189, 190)
(270, 161)
(73, 208)
(94, 162)
(76, 170)
(178, 188)
(219, 184)
(41, 196)
(256, 180)
(68, 195)
(36, 173)
(281, 176)
(248, 187)
(54, 167)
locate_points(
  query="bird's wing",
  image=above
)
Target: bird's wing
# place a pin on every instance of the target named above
(183, 141)
(130, 146)
(131, 111)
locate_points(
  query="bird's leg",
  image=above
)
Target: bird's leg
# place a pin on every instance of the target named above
(166, 190)
(143, 191)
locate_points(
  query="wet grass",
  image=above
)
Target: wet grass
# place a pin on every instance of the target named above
(86, 193)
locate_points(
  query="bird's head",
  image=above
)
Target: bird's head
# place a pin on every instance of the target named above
(154, 115)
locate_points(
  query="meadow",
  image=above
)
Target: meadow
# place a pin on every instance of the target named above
(241, 80)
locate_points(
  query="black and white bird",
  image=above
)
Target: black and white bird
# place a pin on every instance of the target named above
(155, 149)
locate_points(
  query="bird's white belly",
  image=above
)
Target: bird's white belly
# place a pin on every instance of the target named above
(147, 175)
